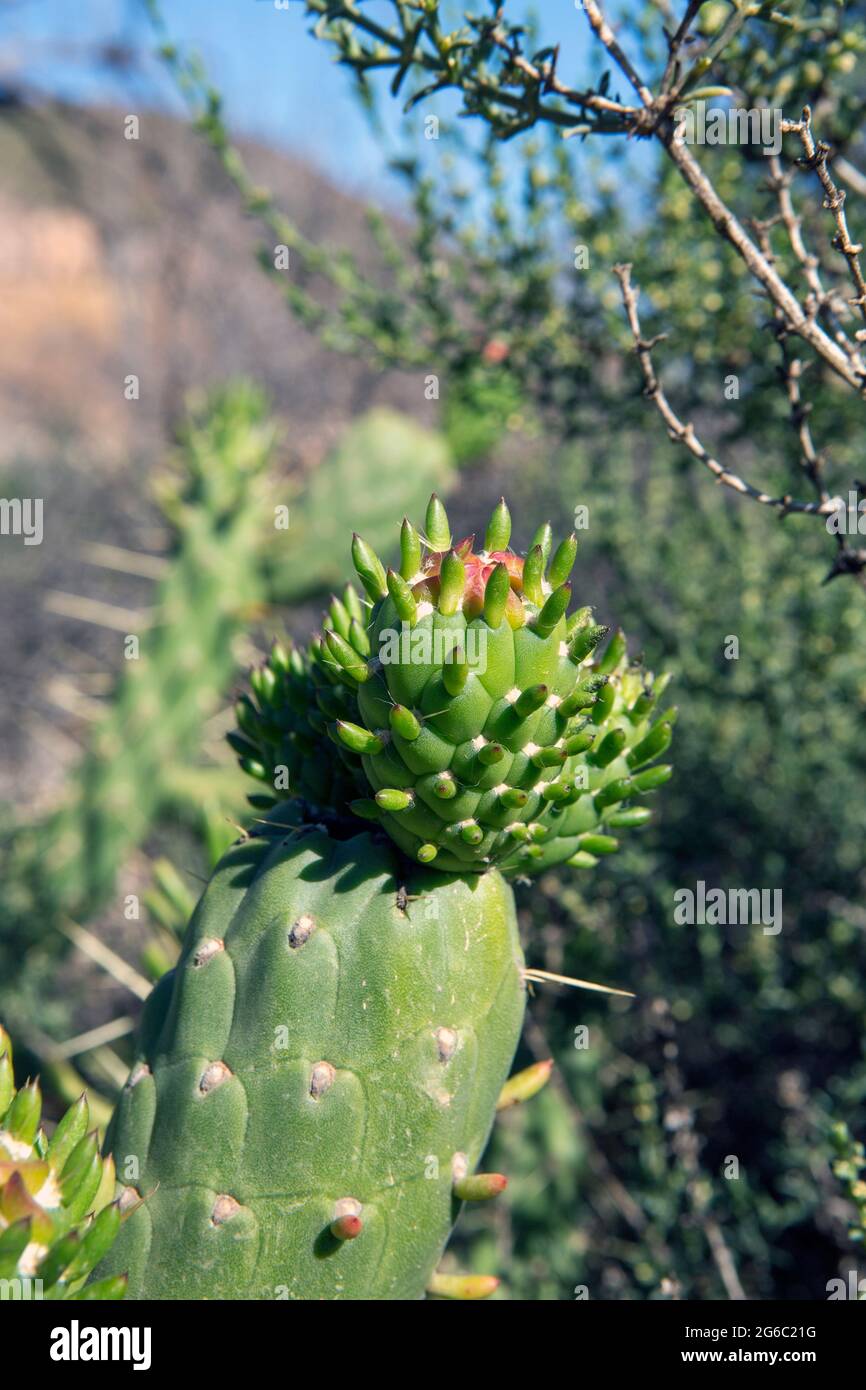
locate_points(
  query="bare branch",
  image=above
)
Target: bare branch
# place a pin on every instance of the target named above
(817, 156)
(684, 433)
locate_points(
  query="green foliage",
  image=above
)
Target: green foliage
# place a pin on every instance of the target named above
(384, 464)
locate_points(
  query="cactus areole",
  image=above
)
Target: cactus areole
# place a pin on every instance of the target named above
(317, 1078)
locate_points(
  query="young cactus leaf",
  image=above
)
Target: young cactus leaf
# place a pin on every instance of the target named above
(358, 639)
(652, 777)
(393, 799)
(347, 657)
(613, 653)
(410, 550)
(452, 582)
(436, 525)
(358, 740)
(533, 574)
(610, 747)
(352, 604)
(496, 596)
(404, 723)
(498, 532)
(404, 600)
(465, 1287)
(455, 672)
(524, 1085)
(563, 562)
(347, 1227)
(657, 741)
(530, 700)
(631, 818)
(585, 640)
(370, 569)
(491, 753)
(543, 538)
(340, 618)
(553, 610)
(480, 1187)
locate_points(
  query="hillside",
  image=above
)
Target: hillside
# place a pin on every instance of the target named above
(117, 257)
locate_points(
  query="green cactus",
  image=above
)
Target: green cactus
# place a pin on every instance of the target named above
(57, 1220)
(384, 463)
(475, 720)
(318, 1077)
(213, 496)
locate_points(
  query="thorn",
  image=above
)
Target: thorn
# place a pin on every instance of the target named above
(524, 1084)
(548, 977)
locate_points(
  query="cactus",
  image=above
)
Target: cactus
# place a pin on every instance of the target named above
(383, 463)
(56, 1218)
(213, 497)
(475, 720)
(317, 1078)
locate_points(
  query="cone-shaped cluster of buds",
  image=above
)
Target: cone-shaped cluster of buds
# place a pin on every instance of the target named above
(283, 738)
(57, 1220)
(481, 722)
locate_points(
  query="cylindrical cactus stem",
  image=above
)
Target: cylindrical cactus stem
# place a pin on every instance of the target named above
(305, 1094)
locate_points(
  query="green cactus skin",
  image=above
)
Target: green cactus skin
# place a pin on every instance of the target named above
(332, 1044)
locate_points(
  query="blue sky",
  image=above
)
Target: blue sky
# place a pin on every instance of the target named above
(278, 83)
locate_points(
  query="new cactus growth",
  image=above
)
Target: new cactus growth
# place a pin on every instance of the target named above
(476, 720)
(56, 1216)
(318, 1077)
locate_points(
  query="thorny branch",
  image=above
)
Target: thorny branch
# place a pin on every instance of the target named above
(683, 432)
